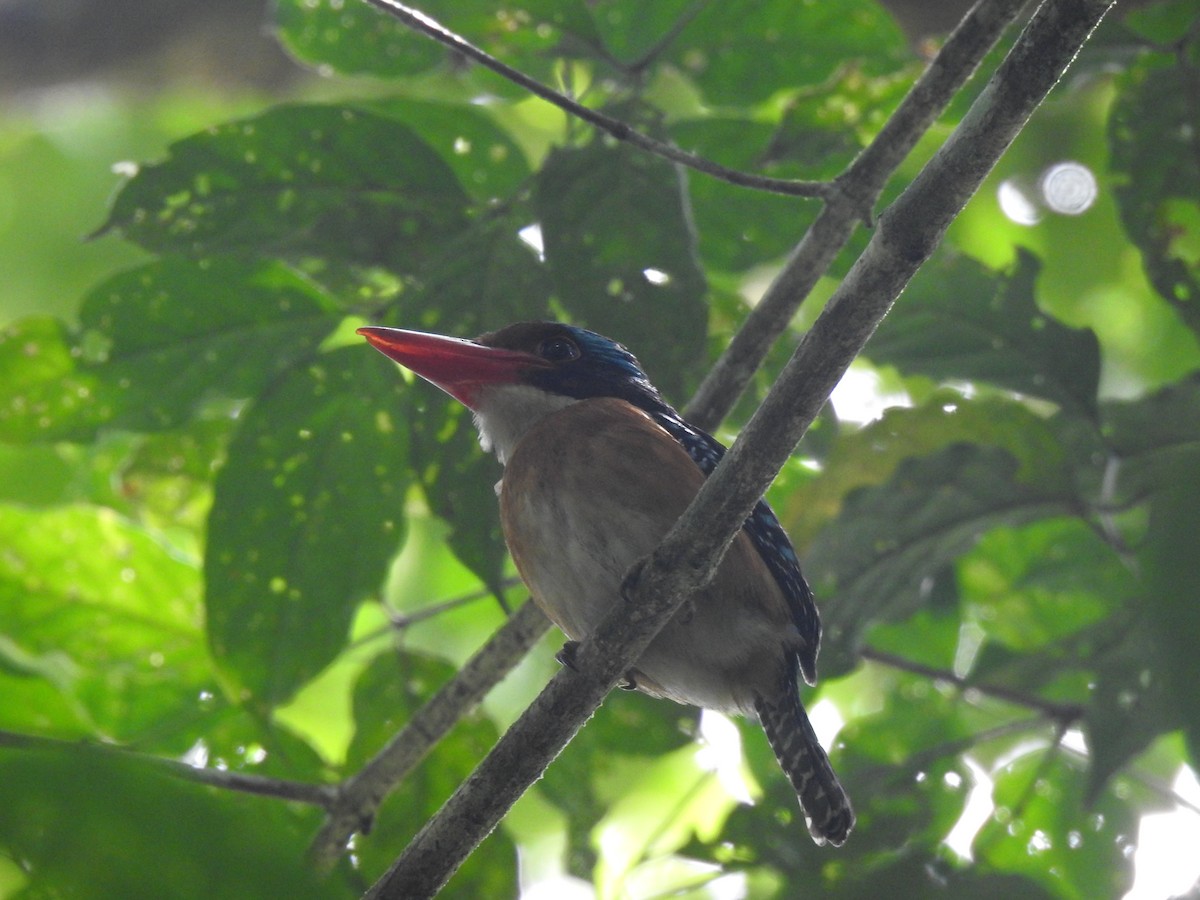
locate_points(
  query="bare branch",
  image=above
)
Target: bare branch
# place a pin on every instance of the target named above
(358, 797)
(296, 791)
(615, 128)
(859, 188)
(907, 234)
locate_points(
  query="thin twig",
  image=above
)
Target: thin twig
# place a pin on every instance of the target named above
(1059, 712)
(621, 131)
(322, 795)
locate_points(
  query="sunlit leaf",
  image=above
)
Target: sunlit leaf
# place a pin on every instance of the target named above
(1044, 830)
(99, 620)
(306, 513)
(154, 344)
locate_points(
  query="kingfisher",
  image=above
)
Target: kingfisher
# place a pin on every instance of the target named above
(597, 468)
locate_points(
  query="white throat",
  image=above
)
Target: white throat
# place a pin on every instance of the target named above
(505, 412)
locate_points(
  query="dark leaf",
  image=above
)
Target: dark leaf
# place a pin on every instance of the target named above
(958, 321)
(741, 54)
(1156, 161)
(170, 839)
(306, 514)
(620, 250)
(1155, 438)
(297, 182)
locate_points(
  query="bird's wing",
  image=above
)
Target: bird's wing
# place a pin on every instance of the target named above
(769, 539)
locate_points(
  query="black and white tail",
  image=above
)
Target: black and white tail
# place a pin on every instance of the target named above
(825, 804)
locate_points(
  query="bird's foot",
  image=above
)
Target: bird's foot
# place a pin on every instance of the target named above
(629, 583)
(628, 683)
(566, 656)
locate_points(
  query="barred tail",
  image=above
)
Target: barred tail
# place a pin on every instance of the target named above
(825, 804)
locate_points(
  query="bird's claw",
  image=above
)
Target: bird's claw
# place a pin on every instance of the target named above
(566, 656)
(628, 683)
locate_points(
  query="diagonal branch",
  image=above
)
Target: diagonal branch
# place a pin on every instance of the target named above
(907, 234)
(622, 131)
(358, 797)
(858, 191)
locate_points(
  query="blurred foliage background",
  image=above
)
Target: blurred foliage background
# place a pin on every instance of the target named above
(235, 536)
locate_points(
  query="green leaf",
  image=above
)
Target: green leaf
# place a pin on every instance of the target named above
(738, 228)
(297, 182)
(1155, 153)
(356, 39)
(1155, 437)
(306, 514)
(740, 54)
(170, 838)
(879, 557)
(154, 344)
(621, 254)
(958, 321)
(1044, 830)
(1033, 586)
(488, 163)
(100, 625)
(870, 455)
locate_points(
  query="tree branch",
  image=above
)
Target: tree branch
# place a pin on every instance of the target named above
(1063, 713)
(907, 234)
(615, 128)
(322, 795)
(358, 797)
(858, 191)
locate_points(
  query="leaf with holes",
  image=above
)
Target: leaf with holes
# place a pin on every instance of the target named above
(306, 514)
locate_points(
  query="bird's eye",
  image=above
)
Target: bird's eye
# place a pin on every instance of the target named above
(558, 349)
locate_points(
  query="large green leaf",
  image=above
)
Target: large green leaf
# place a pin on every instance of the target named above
(100, 628)
(878, 560)
(1156, 163)
(958, 321)
(621, 251)
(306, 514)
(1043, 829)
(297, 181)
(154, 344)
(86, 824)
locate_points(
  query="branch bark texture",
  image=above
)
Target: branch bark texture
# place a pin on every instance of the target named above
(906, 235)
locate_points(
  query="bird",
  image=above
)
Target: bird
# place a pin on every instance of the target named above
(597, 468)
